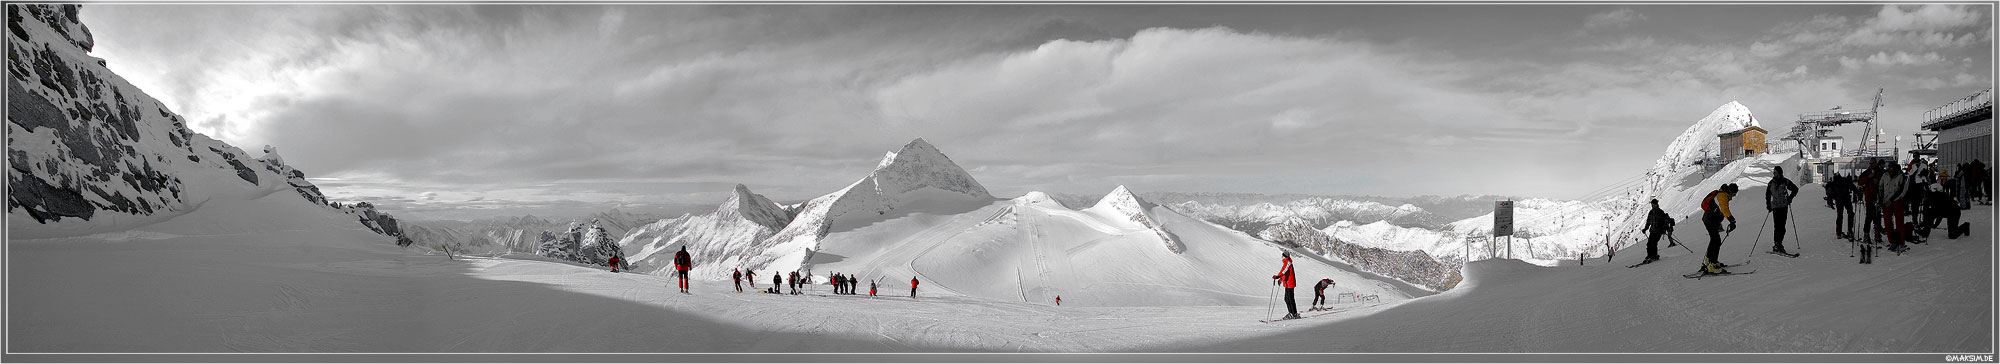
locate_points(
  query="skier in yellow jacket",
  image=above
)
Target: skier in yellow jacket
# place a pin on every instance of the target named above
(1714, 209)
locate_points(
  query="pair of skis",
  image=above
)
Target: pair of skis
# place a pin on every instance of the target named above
(1705, 274)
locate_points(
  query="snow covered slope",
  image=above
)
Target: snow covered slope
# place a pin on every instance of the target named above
(729, 238)
(1031, 249)
(91, 153)
(1936, 299)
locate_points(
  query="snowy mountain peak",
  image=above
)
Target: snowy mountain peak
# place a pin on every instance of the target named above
(753, 207)
(1123, 200)
(918, 165)
(1036, 198)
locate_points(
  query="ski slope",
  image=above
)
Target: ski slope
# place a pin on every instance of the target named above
(1936, 299)
(333, 287)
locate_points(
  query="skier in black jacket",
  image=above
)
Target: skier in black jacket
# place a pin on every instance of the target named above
(1778, 199)
(1319, 293)
(1658, 224)
(1840, 197)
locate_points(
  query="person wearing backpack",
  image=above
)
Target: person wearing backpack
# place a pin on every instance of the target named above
(1778, 199)
(683, 263)
(1714, 209)
(737, 276)
(1658, 224)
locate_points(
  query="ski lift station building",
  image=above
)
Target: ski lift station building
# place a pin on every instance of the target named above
(1964, 128)
(1743, 143)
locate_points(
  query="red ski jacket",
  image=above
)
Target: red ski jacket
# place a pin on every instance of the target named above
(1285, 274)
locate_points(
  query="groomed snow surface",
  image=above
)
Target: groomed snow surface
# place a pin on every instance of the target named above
(228, 278)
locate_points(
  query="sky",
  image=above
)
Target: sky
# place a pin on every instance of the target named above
(460, 111)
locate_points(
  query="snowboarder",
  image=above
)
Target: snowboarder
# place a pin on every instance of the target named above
(1841, 200)
(614, 264)
(913, 286)
(1778, 200)
(1319, 293)
(683, 263)
(1714, 209)
(1658, 224)
(737, 276)
(1286, 277)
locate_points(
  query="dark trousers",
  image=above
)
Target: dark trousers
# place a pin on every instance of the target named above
(683, 278)
(1319, 297)
(1778, 235)
(1290, 304)
(1871, 222)
(1948, 216)
(1653, 244)
(913, 291)
(1843, 218)
(739, 286)
(1713, 222)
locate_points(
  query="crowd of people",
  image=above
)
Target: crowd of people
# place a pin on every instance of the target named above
(1898, 206)
(1901, 205)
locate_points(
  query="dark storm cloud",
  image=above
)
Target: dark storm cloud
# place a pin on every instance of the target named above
(680, 102)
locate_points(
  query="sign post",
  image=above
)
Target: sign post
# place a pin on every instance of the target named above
(1503, 225)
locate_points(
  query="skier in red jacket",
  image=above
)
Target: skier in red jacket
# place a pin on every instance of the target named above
(683, 263)
(614, 264)
(913, 287)
(737, 276)
(1287, 278)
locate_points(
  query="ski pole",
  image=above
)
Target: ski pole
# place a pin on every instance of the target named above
(1755, 238)
(1678, 242)
(1271, 300)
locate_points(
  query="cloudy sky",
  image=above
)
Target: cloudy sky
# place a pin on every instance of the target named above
(462, 110)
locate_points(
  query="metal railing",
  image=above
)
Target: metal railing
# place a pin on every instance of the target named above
(1979, 100)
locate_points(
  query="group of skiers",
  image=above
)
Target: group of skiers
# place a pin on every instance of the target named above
(843, 284)
(1887, 193)
(1289, 279)
(1923, 192)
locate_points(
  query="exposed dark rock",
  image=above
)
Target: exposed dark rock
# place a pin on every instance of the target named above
(45, 202)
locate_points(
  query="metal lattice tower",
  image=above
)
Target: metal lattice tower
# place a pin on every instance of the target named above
(1816, 125)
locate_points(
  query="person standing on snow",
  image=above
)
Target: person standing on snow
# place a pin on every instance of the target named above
(751, 277)
(871, 288)
(913, 286)
(1892, 200)
(682, 264)
(1714, 209)
(1658, 224)
(1778, 199)
(1842, 201)
(1059, 300)
(1287, 278)
(777, 282)
(1319, 293)
(793, 282)
(613, 263)
(737, 276)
